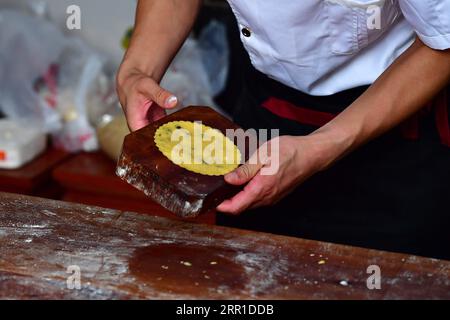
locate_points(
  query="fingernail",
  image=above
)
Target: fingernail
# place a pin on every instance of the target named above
(171, 102)
(232, 176)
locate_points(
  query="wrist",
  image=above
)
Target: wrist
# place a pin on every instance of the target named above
(132, 65)
(331, 144)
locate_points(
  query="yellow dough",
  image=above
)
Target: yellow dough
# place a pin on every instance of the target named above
(197, 148)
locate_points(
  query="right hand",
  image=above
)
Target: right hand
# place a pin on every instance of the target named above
(142, 99)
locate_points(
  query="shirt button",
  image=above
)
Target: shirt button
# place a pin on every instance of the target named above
(246, 32)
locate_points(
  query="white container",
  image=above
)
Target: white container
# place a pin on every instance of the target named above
(19, 144)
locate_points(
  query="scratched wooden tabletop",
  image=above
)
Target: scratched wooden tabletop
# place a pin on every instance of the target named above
(123, 255)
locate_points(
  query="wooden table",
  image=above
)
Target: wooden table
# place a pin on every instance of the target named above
(35, 177)
(90, 178)
(123, 255)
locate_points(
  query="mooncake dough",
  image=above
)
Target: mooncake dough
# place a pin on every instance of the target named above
(197, 148)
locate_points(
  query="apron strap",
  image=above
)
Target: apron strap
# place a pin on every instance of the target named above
(409, 129)
(287, 110)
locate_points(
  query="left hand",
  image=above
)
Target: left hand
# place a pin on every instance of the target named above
(298, 157)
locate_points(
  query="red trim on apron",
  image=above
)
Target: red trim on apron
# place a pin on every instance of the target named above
(409, 129)
(290, 111)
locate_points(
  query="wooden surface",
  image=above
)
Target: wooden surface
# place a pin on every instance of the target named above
(181, 191)
(89, 178)
(93, 173)
(34, 178)
(124, 255)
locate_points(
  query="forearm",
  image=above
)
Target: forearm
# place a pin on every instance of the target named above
(406, 86)
(161, 28)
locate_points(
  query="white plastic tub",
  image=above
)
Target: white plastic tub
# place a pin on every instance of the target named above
(19, 144)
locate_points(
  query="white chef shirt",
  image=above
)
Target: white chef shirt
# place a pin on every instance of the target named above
(321, 47)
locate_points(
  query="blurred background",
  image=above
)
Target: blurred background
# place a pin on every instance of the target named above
(61, 126)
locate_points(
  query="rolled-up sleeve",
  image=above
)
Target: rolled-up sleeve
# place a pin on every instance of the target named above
(430, 19)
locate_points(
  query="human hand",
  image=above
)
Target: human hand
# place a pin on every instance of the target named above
(141, 97)
(297, 159)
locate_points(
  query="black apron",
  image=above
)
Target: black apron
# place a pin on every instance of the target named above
(391, 194)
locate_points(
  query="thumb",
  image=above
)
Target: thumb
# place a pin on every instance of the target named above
(250, 169)
(160, 96)
(243, 174)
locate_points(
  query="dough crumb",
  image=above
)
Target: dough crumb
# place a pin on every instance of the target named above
(344, 283)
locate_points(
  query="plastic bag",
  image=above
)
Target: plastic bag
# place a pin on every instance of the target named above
(215, 54)
(47, 79)
(80, 68)
(199, 70)
(28, 46)
(187, 77)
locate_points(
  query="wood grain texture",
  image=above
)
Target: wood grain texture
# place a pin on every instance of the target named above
(33, 178)
(146, 206)
(123, 255)
(89, 178)
(183, 192)
(94, 173)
